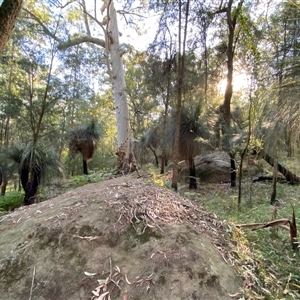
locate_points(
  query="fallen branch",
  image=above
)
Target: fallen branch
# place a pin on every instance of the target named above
(292, 228)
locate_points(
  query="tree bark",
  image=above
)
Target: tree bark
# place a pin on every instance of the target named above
(156, 158)
(9, 11)
(231, 19)
(119, 89)
(193, 180)
(181, 56)
(85, 168)
(274, 189)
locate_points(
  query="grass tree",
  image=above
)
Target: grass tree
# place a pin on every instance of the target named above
(33, 163)
(152, 140)
(83, 139)
(192, 139)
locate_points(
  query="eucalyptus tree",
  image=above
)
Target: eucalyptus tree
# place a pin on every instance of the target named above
(232, 16)
(102, 31)
(9, 11)
(179, 17)
(201, 14)
(10, 90)
(10, 95)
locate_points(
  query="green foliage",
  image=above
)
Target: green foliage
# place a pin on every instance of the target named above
(268, 251)
(11, 201)
(35, 156)
(194, 133)
(90, 131)
(81, 180)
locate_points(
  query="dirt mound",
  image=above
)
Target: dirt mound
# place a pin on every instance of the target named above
(118, 239)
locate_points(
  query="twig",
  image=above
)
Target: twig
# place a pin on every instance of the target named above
(32, 282)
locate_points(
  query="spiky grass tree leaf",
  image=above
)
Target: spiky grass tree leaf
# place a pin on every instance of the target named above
(293, 231)
(42, 158)
(152, 137)
(84, 139)
(193, 132)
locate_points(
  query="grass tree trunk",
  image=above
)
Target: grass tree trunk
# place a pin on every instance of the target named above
(9, 11)
(193, 180)
(124, 152)
(85, 167)
(275, 173)
(30, 180)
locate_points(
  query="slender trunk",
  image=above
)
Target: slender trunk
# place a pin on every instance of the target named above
(205, 66)
(289, 142)
(232, 40)
(193, 180)
(245, 151)
(3, 186)
(274, 190)
(167, 100)
(163, 161)
(177, 127)
(154, 153)
(181, 56)
(232, 170)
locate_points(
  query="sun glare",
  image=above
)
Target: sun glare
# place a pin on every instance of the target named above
(240, 81)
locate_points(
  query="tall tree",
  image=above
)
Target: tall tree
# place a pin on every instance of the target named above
(113, 50)
(232, 15)
(180, 77)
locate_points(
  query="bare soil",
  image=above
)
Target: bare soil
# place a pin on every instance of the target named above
(123, 238)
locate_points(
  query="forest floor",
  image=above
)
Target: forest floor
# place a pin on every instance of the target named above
(122, 238)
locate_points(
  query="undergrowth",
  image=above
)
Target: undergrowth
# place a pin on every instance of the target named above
(264, 258)
(266, 261)
(11, 200)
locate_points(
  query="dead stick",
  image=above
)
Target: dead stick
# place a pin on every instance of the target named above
(32, 282)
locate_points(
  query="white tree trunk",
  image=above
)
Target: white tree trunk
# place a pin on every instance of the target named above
(118, 82)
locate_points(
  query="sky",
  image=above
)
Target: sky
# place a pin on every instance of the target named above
(129, 35)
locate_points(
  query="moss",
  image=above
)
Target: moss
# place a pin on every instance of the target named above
(132, 237)
(86, 230)
(13, 270)
(46, 237)
(113, 240)
(162, 279)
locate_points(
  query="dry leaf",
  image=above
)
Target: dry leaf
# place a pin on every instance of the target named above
(89, 274)
(102, 296)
